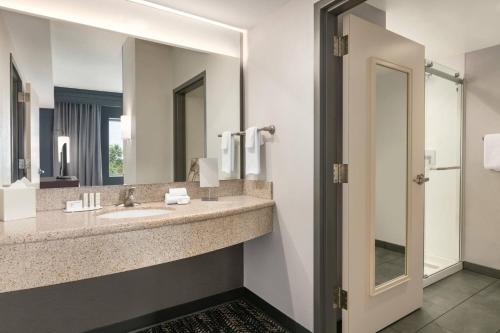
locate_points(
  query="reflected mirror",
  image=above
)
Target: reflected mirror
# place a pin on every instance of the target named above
(390, 140)
(106, 108)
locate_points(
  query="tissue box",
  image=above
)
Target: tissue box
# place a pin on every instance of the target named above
(17, 203)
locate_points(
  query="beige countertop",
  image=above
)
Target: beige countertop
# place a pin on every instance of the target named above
(57, 225)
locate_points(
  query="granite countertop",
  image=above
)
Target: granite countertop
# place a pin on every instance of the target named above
(55, 224)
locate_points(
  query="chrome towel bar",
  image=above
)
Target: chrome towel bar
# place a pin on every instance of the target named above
(270, 129)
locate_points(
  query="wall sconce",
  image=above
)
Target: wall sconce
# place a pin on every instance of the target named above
(126, 126)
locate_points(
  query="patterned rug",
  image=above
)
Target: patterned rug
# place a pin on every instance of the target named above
(233, 317)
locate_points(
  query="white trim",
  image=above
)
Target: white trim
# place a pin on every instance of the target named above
(443, 274)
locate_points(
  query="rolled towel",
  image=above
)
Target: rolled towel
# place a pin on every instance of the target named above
(177, 199)
(177, 191)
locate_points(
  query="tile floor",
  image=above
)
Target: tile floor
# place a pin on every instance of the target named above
(464, 302)
(388, 265)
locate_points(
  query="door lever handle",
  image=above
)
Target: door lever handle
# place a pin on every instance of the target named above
(421, 179)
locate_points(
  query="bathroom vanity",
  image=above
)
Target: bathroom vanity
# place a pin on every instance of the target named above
(57, 247)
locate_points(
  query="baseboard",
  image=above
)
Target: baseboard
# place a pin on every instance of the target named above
(390, 246)
(488, 271)
(170, 313)
(199, 305)
(279, 316)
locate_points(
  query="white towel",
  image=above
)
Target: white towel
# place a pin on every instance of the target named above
(252, 151)
(176, 199)
(492, 152)
(227, 152)
(180, 191)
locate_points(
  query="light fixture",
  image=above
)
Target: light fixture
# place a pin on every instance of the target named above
(61, 140)
(126, 126)
(182, 13)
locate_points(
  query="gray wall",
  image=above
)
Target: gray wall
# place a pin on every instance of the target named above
(482, 187)
(93, 303)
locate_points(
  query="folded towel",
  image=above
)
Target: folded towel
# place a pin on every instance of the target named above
(225, 142)
(177, 191)
(227, 152)
(177, 199)
(250, 135)
(252, 151)
(492, 152)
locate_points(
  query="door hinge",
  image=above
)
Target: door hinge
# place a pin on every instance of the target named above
(340, 173)
(23, 97)
(340, 45)
(340, 299)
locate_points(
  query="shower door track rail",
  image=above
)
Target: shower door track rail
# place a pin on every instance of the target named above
(429, 69)
(446, 168)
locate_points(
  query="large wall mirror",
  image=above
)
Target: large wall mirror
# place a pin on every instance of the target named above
(87, 107)
(390, 162)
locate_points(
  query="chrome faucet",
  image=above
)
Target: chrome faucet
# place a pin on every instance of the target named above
(128, 200)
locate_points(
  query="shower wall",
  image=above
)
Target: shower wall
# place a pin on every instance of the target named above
(443, 150)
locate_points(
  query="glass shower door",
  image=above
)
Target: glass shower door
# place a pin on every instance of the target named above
(444, 169)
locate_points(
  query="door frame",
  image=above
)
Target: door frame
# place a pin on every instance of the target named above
(17, 122)
(328, 133)
(179, 122)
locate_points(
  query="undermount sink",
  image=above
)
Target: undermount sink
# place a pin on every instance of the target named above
(135, 213)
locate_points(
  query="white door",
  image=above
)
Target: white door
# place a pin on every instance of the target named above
(383, 201)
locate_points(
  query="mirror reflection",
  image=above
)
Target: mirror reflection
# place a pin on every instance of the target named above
(391, 164)
(90, 107)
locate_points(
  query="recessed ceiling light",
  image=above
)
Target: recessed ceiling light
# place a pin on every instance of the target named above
(181, 13)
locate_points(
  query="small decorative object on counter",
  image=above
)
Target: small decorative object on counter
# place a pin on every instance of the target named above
(209, 176)
(89, 202)
(18, 201)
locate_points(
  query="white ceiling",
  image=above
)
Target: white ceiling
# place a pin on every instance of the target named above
(446, 27)
(238, 13)
(85, 57)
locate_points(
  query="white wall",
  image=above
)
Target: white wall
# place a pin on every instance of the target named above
(482, 202)
(32, 44)
(24, 56)
(222, 95)
(86, 58)
(136, 20)
(151, 112)
(279, 84)
(159, 69)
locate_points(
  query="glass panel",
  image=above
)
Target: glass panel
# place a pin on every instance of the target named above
(115, 148)
(443, 121)
(391, 164)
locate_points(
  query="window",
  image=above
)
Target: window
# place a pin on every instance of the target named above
(111, 146)
(115, 144)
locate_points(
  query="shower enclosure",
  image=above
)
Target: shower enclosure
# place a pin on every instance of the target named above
(443, 161)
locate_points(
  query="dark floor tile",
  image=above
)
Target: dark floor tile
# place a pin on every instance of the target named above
(434, 328)
(455, 289)
(388, 271)
(476, 315)
(418, 319)
(384, 255)
(388, 330)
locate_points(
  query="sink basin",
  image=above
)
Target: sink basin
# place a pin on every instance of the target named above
(135, 213)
